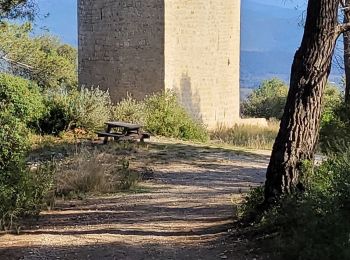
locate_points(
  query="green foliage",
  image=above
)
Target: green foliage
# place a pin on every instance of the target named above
(22, 192)
(43, 59)
(56, 117)
(335, 129)
(89, 108)
(166, 117)
(13, 140)
(162, 115)
(129, 110)
(332, 100)
(252, 200)
(313, 224)
(267, 101)
(68, 109)
(22, 98)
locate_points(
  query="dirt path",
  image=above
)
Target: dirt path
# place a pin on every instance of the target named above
(184, 212)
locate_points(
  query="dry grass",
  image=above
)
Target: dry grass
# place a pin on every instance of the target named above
(248, 136)
(95, 171)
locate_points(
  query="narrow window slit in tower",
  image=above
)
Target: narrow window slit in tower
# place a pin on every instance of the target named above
(101, 13)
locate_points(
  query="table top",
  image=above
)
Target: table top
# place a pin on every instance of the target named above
(123, 124)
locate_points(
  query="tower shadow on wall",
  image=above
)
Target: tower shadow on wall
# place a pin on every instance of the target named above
(189, 97)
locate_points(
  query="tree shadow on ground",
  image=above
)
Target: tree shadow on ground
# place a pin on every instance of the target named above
(219, 249)
(189, 200)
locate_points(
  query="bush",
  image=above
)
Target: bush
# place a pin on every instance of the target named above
(161, 114)
(129, 110)
(13, 140)
(314, 224)
(68, 109)
(21, 192)
(166, 117)
(90, 108)
(335, 129)
(267, 101)
(22, 98)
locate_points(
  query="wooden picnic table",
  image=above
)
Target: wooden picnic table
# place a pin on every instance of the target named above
(124, 132)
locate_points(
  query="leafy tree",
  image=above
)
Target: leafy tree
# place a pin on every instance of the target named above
(267, 101)
(298, 134)
(43, 59)
(22, 98)
(11, 9)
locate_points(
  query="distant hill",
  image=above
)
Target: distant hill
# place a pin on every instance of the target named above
(270, 35)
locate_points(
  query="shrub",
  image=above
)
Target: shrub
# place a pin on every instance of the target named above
(13, 139)
(89, 108)
(166, 117)
(332, 100)
(129, 110)
(69, 109)
(21, 192)
(22, 98)
(335, 129)
(314, 224)
(267, 101)
(249, 136)
(161, 114)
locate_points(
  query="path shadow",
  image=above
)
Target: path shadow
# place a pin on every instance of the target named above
(186, 203)
(126, 251)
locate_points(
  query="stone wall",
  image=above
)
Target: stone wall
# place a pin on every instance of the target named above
(121, 46)
(202, 55)
(141, 47)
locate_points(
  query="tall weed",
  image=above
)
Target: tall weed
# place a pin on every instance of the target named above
(249, 136)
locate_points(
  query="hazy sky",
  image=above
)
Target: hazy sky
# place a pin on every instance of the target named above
(62, 18)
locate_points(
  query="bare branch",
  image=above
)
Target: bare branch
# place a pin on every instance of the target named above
(341, 28)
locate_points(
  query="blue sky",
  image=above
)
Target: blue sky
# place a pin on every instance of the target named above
(62, 19)
(283, 3)
(271, 33)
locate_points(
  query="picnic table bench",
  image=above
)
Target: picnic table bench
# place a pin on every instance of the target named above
(124, 132)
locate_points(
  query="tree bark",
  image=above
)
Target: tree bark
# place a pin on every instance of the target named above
(346, 39)
(298, 134)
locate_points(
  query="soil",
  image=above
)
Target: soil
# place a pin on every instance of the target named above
(184, 210)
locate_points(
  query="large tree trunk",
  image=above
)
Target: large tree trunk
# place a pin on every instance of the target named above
(346, 36)
(298, 134)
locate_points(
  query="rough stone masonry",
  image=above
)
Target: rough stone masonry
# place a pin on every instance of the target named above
(139, 47)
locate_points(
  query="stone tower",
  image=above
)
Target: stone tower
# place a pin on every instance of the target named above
(145, 46)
